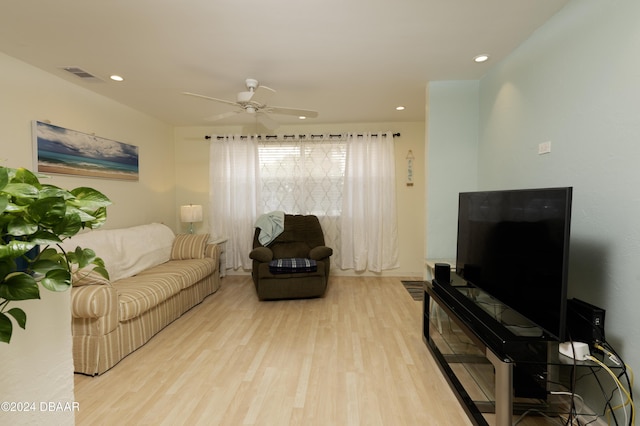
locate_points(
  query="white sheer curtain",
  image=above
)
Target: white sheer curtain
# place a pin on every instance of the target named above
(233, 195)
(368, 219)
(352, 193)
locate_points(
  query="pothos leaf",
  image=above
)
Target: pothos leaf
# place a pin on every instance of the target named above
(6, 328)
(19, 315)
(56, 280)
(19, 286)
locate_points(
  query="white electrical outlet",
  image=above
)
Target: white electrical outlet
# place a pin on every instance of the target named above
(544, 147)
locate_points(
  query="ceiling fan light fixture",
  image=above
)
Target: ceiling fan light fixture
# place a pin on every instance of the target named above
(255, 101)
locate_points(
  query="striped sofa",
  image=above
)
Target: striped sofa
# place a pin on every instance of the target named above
(155, 276)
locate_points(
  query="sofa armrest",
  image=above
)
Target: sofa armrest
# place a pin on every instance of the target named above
(93, 301)
(320, 252)
(212, 251)
(261, 254)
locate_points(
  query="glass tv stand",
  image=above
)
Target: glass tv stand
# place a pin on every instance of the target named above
(497, 362)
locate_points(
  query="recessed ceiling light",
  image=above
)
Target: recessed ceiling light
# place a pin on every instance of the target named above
(302, 117)
(481, 58)
(400, 108)
(116, 78)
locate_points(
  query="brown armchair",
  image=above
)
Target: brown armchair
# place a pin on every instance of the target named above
(302, 238)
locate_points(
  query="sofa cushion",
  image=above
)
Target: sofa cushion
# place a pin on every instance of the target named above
(140, 293)
(188, 271)
(189, 246)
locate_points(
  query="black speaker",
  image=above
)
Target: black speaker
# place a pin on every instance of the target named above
(442, 273)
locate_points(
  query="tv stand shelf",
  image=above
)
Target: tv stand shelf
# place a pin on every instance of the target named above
(495, 360)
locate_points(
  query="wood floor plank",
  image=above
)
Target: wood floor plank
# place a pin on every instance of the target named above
(354, 357)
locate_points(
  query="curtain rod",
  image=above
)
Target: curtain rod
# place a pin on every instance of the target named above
(267, 137)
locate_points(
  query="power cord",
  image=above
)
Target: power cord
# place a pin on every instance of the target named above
(627, 372)
(622, 390)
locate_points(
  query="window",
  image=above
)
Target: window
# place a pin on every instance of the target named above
(302, 177)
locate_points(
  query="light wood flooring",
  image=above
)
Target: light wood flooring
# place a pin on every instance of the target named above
(354, 357)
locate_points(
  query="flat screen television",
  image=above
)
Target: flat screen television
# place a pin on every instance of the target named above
(514, 245)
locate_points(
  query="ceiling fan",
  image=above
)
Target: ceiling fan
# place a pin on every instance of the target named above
(254, 101)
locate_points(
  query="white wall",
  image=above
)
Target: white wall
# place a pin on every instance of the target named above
(37, 365)
(192, 158)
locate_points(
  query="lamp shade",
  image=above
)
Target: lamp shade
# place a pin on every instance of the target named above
(191, 213)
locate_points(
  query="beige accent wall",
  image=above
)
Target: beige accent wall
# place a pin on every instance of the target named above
(192, 179)
(37, 365)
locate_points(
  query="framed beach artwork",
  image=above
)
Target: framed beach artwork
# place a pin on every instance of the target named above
(63, 151)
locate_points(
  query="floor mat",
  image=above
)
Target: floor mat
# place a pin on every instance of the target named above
(415, 289)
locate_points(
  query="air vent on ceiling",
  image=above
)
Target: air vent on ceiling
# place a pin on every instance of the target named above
(79, 72)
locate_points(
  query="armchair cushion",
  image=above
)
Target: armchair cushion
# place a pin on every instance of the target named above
(292, 266)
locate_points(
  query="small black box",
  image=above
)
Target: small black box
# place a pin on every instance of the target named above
(585, 322)
(443, 273)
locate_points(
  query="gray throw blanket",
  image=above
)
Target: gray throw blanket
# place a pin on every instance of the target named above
(271, 225)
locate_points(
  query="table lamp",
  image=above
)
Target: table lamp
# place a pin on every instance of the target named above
(191, 213)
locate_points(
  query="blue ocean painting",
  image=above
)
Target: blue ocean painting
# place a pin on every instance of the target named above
(65, 151)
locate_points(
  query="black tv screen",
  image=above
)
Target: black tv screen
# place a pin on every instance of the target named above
(514, 245)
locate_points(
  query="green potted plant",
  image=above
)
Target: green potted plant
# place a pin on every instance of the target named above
(34, 219)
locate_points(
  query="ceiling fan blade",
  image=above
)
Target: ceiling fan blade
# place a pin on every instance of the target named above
(293, 111)
(224, 101)
(262, 94)
(267, 121)
(223, 115)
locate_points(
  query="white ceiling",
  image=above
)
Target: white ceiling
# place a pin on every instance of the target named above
(351, 60)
